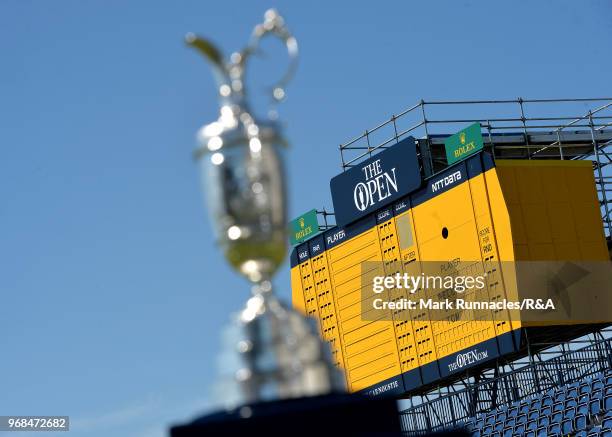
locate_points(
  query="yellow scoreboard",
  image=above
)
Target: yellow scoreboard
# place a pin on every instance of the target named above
(476, 211)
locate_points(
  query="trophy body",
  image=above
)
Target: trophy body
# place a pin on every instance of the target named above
(243, 182)
(270, 352)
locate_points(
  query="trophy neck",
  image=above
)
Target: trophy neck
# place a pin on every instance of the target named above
(262, 288)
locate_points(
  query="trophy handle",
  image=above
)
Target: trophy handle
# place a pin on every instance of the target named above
(220, 69)
(274, 24)
(229, 74)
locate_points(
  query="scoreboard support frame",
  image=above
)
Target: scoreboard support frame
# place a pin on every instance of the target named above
(482, 390)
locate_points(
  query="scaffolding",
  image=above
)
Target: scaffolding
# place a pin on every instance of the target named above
(512, 129)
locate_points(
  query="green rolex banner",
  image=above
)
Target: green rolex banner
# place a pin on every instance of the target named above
(303, 227)
(464, 143)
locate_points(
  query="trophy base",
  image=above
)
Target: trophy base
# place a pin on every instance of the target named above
(272, 352)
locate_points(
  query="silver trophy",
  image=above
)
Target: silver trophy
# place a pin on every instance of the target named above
(270, 352)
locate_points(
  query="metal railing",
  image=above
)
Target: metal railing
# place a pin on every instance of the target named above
(513, 129)
(326, 219)
(454, 408)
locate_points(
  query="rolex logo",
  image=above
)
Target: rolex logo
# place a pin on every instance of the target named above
(305, 229)
(462, 137)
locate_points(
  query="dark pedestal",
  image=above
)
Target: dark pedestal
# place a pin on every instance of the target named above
(338, 415)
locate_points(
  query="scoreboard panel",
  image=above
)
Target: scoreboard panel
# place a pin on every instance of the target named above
(325, 300)
(422, 334)
(403, 327)
(369, 347)
(453, 236)
(476, 211)
(553, 207)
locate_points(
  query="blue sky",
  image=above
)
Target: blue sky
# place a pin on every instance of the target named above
(112, 291)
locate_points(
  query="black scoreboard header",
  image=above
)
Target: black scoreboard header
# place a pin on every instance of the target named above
(376, 182)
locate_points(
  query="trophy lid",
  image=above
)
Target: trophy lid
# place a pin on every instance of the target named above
(235, 127)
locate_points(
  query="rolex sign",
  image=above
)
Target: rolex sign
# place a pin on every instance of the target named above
(374, 183)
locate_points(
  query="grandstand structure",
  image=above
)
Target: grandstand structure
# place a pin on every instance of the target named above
(560, 390)
(561, 385)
